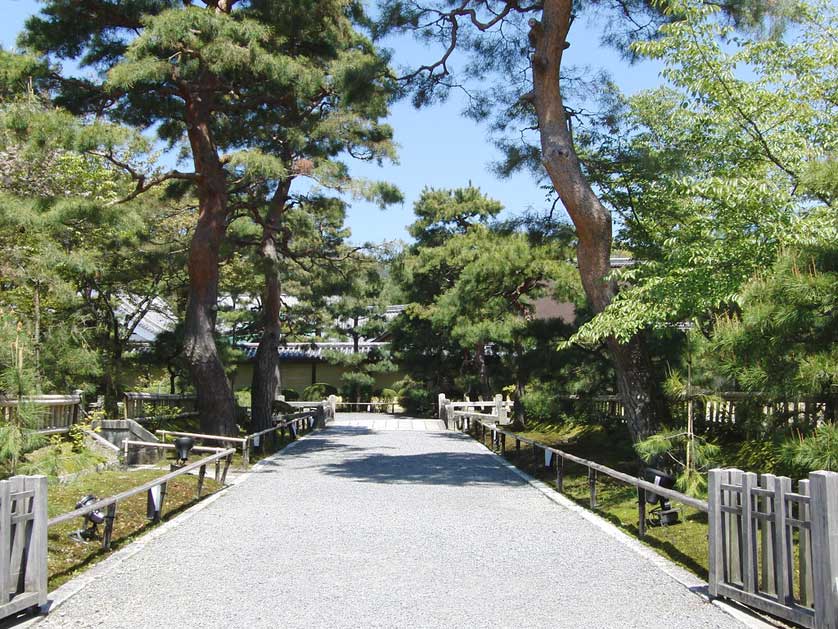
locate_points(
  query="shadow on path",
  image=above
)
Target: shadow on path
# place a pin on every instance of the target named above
(433, 468)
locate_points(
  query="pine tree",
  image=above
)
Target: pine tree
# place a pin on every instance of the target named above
(214, 80)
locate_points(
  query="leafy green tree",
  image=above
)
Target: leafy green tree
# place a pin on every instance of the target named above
(85, 270)
(213, 81)
(520, 45)
(430, 354)
(712, 172)
(488, 277)
(783, 338)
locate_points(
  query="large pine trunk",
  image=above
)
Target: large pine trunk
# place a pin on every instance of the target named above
(637, 386)
(216, 406)
(265, 382)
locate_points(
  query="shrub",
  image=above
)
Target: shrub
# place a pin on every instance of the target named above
(291, 395)
(318, 391)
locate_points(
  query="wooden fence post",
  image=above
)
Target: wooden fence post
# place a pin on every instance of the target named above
(560, 474)
(592, 486)
(6, 584)
(782, 543)
(823, 490)
(715, 562)
(109, 519)
(246, 452)
(36, 560)
(749, 538)
(641, 512)
(202, 472)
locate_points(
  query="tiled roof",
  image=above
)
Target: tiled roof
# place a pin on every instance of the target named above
(311, 351)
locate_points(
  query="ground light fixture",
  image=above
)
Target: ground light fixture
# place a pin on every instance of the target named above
(183, 445)
(663, 514)
(90, 521)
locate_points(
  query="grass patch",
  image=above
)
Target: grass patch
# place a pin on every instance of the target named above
(684, 543)
(67, 558)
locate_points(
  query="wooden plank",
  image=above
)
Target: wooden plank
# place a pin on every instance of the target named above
(20, 603)
(36, 561)
(805, 550)
(782, 542)
(197, 435)
(800, 615)
(733, 530)
(5, 541)
(749, 536)
(17, 558)
(769, 585)
(823, 488)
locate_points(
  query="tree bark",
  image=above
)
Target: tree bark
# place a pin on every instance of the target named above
(265, 382)
(642, 399)
(216, 406)
(266, 378)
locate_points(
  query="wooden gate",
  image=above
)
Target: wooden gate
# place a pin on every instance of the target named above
(23, 543)
(775, 549)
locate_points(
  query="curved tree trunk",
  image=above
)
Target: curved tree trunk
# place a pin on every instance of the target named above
(266, 377)
(265, 381)
(640, 392)
(216, 407)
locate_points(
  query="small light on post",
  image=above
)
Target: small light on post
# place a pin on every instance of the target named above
(183, 445)
(663, 514)
(90, 520)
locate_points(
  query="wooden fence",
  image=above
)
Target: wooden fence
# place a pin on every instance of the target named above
(716, 409)
(156, 489)
(299, 421)
(23, 544)
(141, 406)
(754, 522)
(54, 413)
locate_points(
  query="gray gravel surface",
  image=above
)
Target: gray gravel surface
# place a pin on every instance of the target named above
(357, 527)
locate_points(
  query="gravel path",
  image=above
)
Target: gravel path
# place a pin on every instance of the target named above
(364, 527)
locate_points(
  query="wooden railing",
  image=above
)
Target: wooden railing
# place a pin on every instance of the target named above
(156, 488)
(753, 524)
(137, 405)
(712, 409)
(23, 544)
(54, 413)
(467, 420)
(304, 420)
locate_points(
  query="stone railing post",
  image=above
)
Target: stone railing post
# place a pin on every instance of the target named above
(448, 416)
(441, 406)
(333, 405)
(500, 409)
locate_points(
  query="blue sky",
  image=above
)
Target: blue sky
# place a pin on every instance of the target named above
(437, 146)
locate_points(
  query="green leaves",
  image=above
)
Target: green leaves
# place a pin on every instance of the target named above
(718, 171)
